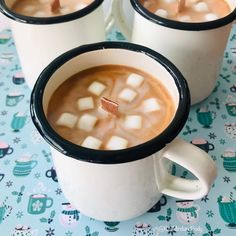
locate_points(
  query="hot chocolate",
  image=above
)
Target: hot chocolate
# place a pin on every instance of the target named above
(43, 8)
(194, 10)
(145, 108)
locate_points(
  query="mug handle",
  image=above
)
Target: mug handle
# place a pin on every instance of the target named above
(34, 163)
(120, 19)
(192, 158)
(211, 146)
(51, 202)
(233, 89)
(10, 151)
(49, 173)
(109, 21)
(21, 97)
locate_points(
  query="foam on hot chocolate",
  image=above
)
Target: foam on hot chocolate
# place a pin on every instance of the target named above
(42, 8)
(145, 108)
(194, 11)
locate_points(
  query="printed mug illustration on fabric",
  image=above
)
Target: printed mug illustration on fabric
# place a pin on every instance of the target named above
(187, 211)
(111, 226)
(24, 230)
(233, 88)
(203, 144)
(230, 130)
(38, 203)
(227, 209)
(205, 117)
(143, 229)
(229, 160)
(231, 105)
(19, 120)
(159, 204)
(18, 78)
(5, 211)
(5, 149)
(4, 38)
(13, 98)
(51, 173)
(69, 216)
(23, 166)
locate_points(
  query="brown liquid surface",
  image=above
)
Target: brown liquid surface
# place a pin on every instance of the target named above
(114, 77)
(189, 14)
(41, 8)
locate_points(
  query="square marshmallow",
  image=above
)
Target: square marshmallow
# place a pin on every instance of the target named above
(127, 95)
(96, 88)
(92, 142)
(162, 13)
(85, 103)
(133, 122)
(201, 7)
(67, 120)
(135, 80)
(151, 104)
(116, 143)
(80, 6)
(210, 17)
(87, 122)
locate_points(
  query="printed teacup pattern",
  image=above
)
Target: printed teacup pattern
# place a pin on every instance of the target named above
(31, 200)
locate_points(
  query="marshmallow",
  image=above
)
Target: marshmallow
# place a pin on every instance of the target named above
(96, 88)
(150, 105)
(127, 95)
(169, 1)
(80, 6)
(39, 14)
(133, 122)
(116, 143)
(225, 199)
(65, 10)
(91, 142)
(29, 8)
(85, 103)
(87, 122)
(67, 120)
(201, 7)
(135, 80)
(211, 17)
(185, 18)
(162, 13)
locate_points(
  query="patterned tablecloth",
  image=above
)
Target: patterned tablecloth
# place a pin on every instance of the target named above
(211, 122)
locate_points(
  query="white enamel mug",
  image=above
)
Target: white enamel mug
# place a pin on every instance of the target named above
(40, 40)
(195, 48)
(119, 185)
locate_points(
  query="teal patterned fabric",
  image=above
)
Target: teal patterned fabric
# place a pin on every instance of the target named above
(32, 202)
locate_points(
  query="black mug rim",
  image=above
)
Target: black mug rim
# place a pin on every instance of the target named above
(103, 156)
(48, 20)
(188, 26)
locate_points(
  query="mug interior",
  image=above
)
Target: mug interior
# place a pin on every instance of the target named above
(6, 5)
(190, 26)
(110, 57)
(109, 53)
